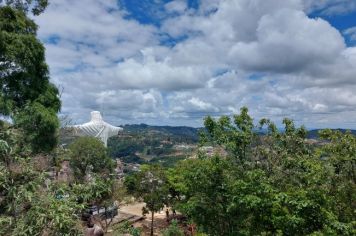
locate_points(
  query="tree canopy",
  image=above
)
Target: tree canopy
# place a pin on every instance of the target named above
(89, 155)
(28, 198)
(149, 185)
(35, 6)
(271, 184)
(26, 95)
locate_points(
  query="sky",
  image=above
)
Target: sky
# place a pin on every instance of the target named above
(164, 62)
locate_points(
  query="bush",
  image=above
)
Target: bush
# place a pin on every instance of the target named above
(173, 230)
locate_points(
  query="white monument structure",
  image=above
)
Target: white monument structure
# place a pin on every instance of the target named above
(96, 127)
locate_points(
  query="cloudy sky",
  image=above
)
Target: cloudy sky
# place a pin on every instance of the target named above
(167, 62)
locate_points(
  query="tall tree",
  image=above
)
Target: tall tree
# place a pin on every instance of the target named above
(150, 185)
(26, 95)
(235, 136)
(27, 205)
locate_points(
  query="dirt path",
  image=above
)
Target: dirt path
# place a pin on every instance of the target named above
(136, 209)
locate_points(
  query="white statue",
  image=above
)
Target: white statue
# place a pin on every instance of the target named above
(96, 128)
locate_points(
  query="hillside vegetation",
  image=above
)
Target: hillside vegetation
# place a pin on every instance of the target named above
(154, 144)
(276, 184)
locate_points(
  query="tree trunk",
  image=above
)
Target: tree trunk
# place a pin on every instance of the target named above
(106, 220)
(152, 217)
(13, 204)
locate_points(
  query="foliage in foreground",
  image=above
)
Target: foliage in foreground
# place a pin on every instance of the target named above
(126, 228)
(173, 230)
(27, 205)
(33, 204)
(32, 199)
(277, 184)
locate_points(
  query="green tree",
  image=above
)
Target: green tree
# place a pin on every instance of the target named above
(89, 155)
(280, 185)
(202, 183)
(35, 6)
(26, 95)
(28, 202)
(339, 153)
(149, 184)
(235, 136)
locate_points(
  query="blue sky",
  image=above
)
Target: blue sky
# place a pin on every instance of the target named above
(342, 22)
(166, 62)
(153, 12)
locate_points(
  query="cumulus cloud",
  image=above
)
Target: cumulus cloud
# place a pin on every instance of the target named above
(268, 55)
(286, 37)
(150, 73)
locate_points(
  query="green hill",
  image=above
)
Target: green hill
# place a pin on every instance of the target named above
(153, 144)
(313, 134)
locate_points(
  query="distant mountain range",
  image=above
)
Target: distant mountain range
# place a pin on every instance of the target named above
(178, 132)
(166, 145)
(192, 134)
(313, 134)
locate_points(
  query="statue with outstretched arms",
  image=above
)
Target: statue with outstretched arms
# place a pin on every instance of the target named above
(96, 127)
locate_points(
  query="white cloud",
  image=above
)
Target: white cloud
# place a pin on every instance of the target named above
(289, 41)
(351, 32)
(178, 6)
(264, 54)
(150, 73)
(201, 105)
